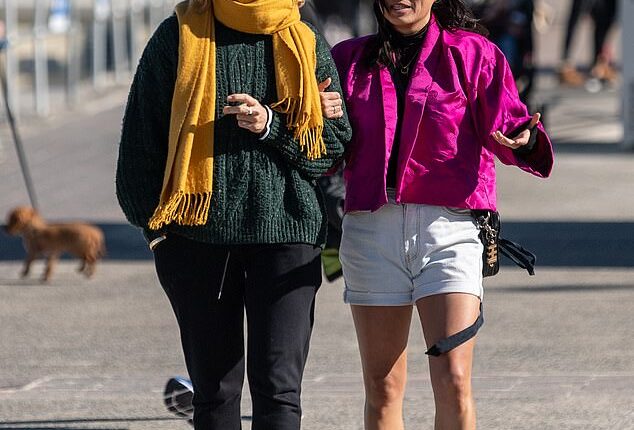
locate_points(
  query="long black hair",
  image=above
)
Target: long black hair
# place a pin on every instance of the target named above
(450, 15)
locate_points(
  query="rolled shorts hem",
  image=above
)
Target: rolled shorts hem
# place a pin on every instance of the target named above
(447, 288)
(363, 298)
(369, 298)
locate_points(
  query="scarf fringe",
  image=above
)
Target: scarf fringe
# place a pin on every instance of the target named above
(183, 209)
(310, 138)
(311, 142)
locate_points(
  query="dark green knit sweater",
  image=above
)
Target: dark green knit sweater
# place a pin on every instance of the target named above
(264, 191)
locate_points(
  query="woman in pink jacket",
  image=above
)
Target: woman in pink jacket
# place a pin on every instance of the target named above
(432, 102)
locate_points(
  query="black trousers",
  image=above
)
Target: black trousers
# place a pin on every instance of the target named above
(209, 288)
(603, 14)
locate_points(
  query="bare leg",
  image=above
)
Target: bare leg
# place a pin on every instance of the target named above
(382, 333)
(441, 316)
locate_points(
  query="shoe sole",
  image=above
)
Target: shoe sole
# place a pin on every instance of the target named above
(178, 396)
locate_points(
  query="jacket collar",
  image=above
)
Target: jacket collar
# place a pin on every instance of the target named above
(416, 97)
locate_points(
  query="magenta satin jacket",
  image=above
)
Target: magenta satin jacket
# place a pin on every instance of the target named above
(461, 91)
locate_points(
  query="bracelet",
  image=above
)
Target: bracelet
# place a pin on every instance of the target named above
(156, 241)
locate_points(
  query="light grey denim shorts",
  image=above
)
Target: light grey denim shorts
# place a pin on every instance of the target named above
(404, 252)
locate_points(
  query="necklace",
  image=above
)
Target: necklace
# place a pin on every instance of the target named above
(404, 69)
(409, 46)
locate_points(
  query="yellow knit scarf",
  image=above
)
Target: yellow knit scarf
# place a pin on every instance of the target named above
(187, 184)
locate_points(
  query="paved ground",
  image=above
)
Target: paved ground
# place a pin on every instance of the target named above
(556, 351)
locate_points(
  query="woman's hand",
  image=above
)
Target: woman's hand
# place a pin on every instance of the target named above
(519, 140)
(331, 103)
(251, 115)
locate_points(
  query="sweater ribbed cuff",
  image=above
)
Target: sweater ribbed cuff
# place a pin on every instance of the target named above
(269, 120)
(276, 128)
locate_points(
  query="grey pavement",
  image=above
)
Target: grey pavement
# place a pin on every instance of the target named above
(556, 351)
(94, 355)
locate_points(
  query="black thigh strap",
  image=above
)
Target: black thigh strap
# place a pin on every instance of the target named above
(445, 345)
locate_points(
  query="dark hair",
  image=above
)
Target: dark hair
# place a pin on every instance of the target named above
(450, 14)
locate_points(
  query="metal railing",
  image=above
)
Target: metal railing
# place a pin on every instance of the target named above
(57, 49)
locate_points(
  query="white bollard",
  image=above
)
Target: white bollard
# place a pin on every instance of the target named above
(119, 41)
(135, 21)
(627, 23)
(73, 57)
(156, 13)
(40, 58)
(101, 15)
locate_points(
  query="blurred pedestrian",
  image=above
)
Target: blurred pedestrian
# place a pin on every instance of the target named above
(604, 17)
(222, 141)
(340, 19)
(510, 27)
(603, 14)
(310, 14)
(431, 103)
(3, 35)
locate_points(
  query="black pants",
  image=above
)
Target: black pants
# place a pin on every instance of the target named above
(209, 288)
(603, 14)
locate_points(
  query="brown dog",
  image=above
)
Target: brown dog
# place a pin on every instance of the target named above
(41, 239)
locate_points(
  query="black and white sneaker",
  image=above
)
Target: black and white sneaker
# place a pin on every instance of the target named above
(178, 396)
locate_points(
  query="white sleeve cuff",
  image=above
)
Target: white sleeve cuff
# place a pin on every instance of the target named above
(267, 130)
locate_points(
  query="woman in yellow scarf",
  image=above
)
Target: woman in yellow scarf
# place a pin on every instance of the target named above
(226, 131)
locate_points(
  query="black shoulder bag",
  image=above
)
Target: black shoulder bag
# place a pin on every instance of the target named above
(488, 223)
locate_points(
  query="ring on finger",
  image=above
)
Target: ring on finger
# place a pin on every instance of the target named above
(249, 110)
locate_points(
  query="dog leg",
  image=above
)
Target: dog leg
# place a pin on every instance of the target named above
(50, 265)
(90, 268)
(30, 256)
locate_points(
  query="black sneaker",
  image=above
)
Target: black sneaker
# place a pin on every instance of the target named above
(178, 396)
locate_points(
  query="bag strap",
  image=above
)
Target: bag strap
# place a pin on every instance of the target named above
(519, 255)
(445, 345)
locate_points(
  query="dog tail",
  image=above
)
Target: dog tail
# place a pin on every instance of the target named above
(101, 249)
(97, 247)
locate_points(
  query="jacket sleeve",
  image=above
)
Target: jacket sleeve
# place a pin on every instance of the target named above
(498, 107)
(145, 129)
(337, 132)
